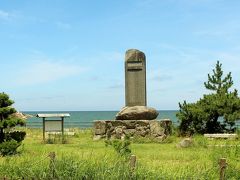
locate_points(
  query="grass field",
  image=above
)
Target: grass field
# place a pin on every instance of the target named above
(83, 158)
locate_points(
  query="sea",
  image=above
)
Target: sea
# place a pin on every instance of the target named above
(85, 119)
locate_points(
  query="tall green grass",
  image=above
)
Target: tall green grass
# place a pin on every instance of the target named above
(83, 158)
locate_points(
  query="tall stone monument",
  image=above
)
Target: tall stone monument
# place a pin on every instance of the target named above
(135, 78)
(135, 89)
(135, 119)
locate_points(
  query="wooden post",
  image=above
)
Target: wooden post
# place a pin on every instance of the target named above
(62, 130)
(44, 129)
(52, 156)
(223, 165)
(133, 162)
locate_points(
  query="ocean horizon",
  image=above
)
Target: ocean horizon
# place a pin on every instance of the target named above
(85, 119)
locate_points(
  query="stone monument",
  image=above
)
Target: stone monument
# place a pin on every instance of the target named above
(135, 78)
(135, 89)
(135, 119)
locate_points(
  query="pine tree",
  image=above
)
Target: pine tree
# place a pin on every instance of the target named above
(203, 116)
(216, 82)
(9, 138)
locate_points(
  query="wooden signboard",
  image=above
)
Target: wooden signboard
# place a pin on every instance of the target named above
(53, 125)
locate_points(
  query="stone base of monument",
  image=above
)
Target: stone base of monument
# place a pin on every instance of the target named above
(137, 113)
(142, 128)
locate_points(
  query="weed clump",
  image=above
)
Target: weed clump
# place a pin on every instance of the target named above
(122, 147)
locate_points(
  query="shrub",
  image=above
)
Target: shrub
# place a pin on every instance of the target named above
(120, 146)
(9, 147)
(203, 116)
(9, 139)
(16, 135)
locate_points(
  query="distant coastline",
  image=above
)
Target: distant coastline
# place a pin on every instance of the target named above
(84, 119)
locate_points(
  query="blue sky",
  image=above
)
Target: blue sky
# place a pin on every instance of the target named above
(69, 55)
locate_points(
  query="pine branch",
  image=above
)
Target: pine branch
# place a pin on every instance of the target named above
(216, 82)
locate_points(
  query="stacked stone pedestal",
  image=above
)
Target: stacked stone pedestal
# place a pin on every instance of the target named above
(140, 128)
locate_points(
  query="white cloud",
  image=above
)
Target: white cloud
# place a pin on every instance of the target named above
(46, 71)
(63, 25)
(8, 16)
(4, 15)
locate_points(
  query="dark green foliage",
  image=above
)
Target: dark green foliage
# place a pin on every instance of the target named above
(9, 139)
(16, 135)
(9, 147)
(216, 82)
(203, 116)
(120, 146)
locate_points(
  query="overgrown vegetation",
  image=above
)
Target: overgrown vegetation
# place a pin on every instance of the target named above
(57, 139)
(84, 158)
(10, 139)
(121, 146)
(203, 116)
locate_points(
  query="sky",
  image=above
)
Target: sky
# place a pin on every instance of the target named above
(69, 55)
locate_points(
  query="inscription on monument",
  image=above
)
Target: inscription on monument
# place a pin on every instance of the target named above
(134, 66)
(135, 78)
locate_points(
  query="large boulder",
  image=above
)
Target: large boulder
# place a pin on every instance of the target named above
(137, 113)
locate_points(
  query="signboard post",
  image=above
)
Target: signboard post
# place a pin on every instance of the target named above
(53, 125)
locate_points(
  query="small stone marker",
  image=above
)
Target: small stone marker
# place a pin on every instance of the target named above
(135, 78)
(186, 142)
(223, 165)
(133, 160)
(52, 157)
